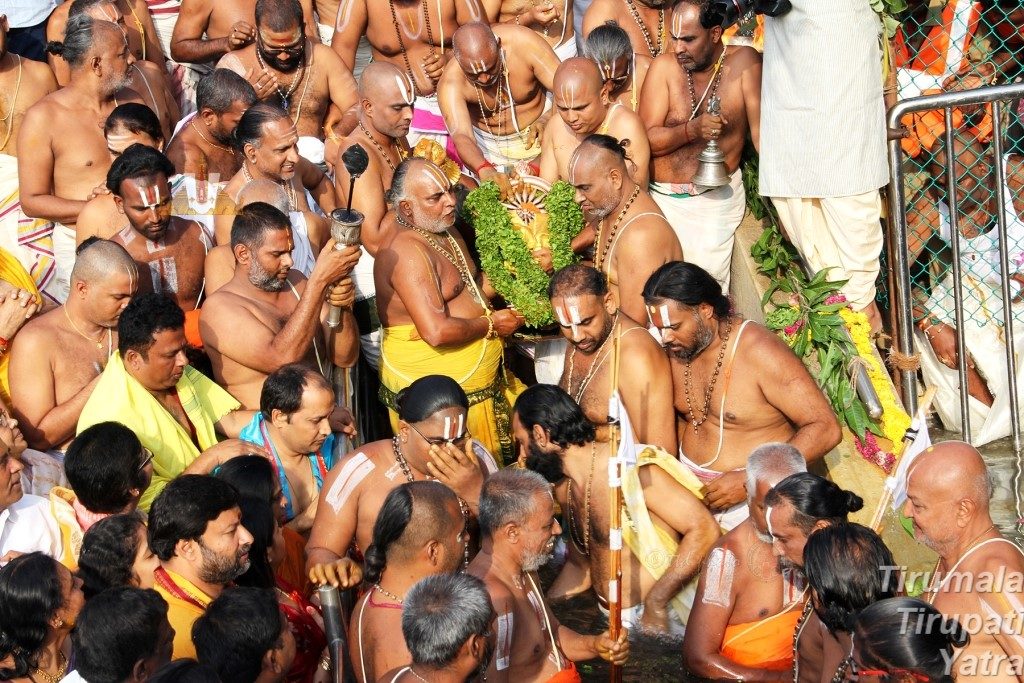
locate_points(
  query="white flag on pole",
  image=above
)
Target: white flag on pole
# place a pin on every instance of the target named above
(897, 482)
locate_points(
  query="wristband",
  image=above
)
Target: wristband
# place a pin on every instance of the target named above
(482, 166)
(491, 334)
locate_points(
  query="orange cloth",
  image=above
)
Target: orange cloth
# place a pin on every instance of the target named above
(928, 128)
(570, 675)
(192, 329)
(765, 644)
(293, 569)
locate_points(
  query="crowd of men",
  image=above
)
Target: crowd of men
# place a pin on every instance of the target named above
(209, 407)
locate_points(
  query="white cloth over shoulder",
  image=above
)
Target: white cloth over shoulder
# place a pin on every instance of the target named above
(822, 114)
(27, 526)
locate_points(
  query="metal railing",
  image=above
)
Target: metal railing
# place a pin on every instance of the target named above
(902, 301)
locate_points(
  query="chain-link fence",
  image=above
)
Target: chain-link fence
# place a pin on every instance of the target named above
(947, 46)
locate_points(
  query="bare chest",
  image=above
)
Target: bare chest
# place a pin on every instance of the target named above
(226, 13)
(410, 25)
(78, 361)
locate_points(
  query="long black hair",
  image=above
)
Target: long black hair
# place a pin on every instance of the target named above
(30, 594)
(108, 553)
(813, 499)
(687, 284)
(906, 636)
(428, 395)
(258, 519)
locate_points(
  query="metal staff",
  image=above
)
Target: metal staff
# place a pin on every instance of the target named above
(334, 627)
(346, 224)
(615, 512)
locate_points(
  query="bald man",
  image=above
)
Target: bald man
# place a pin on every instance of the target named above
(646, 22)
(551, 19)
(57, 358)
(630, 236)
(36, 82)
(979, 578)
(583, 104)
(493, 96)
(414, 36)
(434, 316)
(64, 156)
(678, 91)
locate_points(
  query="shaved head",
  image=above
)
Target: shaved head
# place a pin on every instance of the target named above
(578, 71)
(99, 260)
(266, 191)
(580, 96)
(956, 468)
(385, 81)
(473, 41)
(387, 99)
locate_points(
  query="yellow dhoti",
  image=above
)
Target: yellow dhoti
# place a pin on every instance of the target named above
(476, 366)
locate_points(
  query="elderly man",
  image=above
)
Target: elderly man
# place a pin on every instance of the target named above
(552, 19)
(267, 139)
(26, 524)
(673, 531)
(57, 358)
(679, 125)
(195, 530)
(420, 532)
(29, 240)
(796, 508)
(493, 105)
(427, 445)
(592, 323)
(141, 35)
(978, 577)
(293, 423)
(446, 622)
(269, 315)
(435, 316)
(202, 145)
(169, 251)
(411, 36)
(646, 22)
(581, 99)
(64, 157)
(747, 605)
(630, 236)
(175, 411)
(737, 385)
(305, 77)
(518, 531)
(622, 70)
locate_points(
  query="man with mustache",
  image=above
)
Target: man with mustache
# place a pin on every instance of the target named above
(678, 91)
(747, 605)
(584, 106)
(518, 531)
(670, 533)
(269, 315)
(737, 386)
(62, 153)
(195, 529)
(629, 234)
(435, 314)
(290, 70)
(646, 22)
(169, 250)
(591, 323)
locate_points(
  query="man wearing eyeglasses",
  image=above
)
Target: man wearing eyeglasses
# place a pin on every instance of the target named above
(288, 69)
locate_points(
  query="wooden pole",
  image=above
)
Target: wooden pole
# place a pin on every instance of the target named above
(615, 509)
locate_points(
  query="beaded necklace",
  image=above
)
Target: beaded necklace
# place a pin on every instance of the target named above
(287, 185)
(602, 254)
(401, 41)
(688, 378)
(9, 118)
(654, 48)
(381, 150)
(716, 80)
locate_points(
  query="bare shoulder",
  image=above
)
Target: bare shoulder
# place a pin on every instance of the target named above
(1002, 553)
(602, 10)
(40, 329)
(39, 73)
(638, 341)
(757, 336)
(743, 56)
(665, 67)
(326, 56)
(150, 69)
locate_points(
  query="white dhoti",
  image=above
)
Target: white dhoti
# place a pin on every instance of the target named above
(566, 50)
(303, 258)
(165, 16)
(365, 309)
(506, 150)
(841, 233)
(64, 251)
(632, 618)
(43, 470)
(727, 519)
(30, 240)
(705, 222)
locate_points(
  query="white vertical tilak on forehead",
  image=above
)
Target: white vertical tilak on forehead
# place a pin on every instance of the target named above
(149, 196)
(569, 94)
(572, 166)
(406, 87)
(438, 178)
(768, 519)
(563, 317)
(663, 310)
(677, 23)
(462, 425)
(447, 427)
(574, 315)
(477, 66)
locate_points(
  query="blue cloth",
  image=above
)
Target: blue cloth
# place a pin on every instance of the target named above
(255, 432)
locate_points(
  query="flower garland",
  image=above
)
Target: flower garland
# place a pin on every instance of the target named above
(505, 257)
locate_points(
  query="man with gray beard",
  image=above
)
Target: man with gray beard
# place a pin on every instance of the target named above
(737, 386)
(435, 316)
(268, 314)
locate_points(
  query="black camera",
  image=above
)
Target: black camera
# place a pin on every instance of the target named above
(725, 13)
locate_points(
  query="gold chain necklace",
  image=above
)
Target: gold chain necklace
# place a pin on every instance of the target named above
(208, 141)
(383, 153)
(9, 118)
(460, 262)
(602, 254)
(97, 342)
(598, 360)
(587, 490)
(688, 378)
(654, 48)
(388, 594)
(401, 41)
(61, 670)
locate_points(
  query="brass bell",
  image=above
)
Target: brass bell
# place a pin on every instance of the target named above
(711, 171)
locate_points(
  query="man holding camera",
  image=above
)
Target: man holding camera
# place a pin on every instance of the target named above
(676, 109)
(823, 153)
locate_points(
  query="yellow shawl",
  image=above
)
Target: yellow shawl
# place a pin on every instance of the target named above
(119, 397)
(13, 272)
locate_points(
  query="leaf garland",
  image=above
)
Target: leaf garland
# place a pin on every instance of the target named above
(504, 256)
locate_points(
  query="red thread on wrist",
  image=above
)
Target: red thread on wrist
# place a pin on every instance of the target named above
(482, 166)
